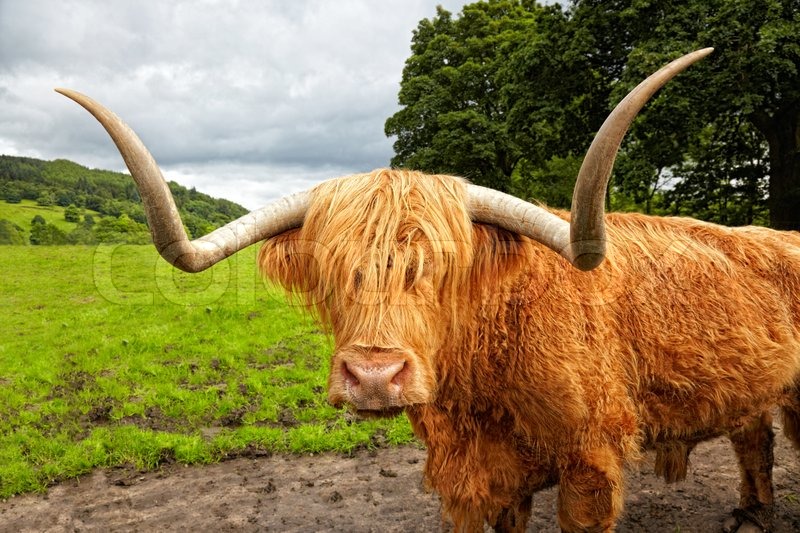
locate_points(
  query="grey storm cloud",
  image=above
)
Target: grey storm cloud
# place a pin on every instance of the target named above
(245, 100)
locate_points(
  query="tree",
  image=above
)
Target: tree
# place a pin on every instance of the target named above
(556, 89)
(758, 65)
(94, 203)
(84, 232)
(453, 115)
(510, 94)
(13, 196)
(122, 229)
(752, 76)
(65, 197)
(196, 226)
(45, 234)
(72, 214)
(10, 233)
(46, 198)
(136, 212)
(550, 183)
(725, 176)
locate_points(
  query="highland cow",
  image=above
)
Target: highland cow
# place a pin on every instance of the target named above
(521, 368)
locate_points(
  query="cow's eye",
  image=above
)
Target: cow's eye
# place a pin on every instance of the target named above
(411, 277)
(357, 279)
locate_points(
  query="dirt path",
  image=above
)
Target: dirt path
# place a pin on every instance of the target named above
(373, 491)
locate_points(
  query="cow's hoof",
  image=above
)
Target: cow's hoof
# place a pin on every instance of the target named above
(755, 519)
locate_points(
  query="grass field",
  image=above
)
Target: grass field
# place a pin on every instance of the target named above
(109, 356)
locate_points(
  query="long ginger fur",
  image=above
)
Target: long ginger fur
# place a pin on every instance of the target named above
(533, 373)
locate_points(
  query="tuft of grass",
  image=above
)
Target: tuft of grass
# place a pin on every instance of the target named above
(111, 357)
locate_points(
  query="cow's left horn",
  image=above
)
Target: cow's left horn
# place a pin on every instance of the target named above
(583, 241)
(165, 223)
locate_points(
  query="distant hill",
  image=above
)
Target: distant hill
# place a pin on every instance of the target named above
(78, 205)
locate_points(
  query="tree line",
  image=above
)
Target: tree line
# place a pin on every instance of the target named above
(509, 93)
(104, 206)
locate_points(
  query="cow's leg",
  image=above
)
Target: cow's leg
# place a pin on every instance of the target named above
(672, 459)
(753, 446)
(590, 495)
(791, 419)
(514, 518)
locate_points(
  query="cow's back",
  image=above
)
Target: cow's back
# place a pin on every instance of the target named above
(710, 314)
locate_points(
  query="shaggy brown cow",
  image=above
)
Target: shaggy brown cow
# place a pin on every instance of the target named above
(517, 369)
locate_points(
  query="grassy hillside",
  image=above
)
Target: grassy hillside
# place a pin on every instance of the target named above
(112, 194)
(22, 213)
(109, 356)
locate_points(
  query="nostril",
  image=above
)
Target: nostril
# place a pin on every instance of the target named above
(400, 377)
(349, 377)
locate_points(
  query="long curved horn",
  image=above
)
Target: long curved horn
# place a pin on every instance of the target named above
(162, 215)
(583, 241)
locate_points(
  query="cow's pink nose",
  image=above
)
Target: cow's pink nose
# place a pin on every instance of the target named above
(374, 385)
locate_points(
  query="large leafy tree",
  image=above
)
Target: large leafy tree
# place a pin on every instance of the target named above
(453, 118)
(556, 86)
(510, 94)
(724, 177)
(750, 85)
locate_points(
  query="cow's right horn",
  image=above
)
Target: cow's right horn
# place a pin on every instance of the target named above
(583, 240)
(163, 218)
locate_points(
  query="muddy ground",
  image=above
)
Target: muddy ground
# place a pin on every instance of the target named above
(378, 490)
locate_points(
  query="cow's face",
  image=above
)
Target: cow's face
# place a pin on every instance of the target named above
(380, 259)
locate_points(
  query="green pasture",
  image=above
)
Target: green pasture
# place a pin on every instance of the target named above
(109, 356)
(22, 213)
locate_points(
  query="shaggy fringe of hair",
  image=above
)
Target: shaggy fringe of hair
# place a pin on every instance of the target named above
(374, 240)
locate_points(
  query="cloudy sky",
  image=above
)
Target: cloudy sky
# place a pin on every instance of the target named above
(245, 100)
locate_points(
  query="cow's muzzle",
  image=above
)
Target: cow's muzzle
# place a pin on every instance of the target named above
(372, 381)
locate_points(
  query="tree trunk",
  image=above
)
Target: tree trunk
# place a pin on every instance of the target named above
(783, 135)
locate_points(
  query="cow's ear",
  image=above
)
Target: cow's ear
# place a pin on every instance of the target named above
(497, 253)
(288, 260)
